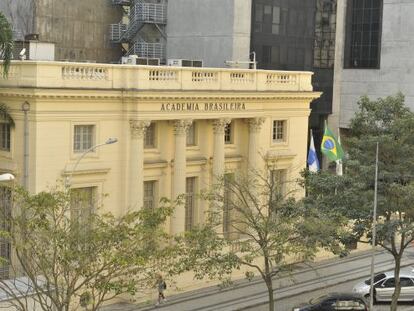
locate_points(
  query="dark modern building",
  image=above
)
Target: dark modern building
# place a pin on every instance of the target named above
(298, 35)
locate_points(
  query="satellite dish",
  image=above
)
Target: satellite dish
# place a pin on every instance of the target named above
(22, 52)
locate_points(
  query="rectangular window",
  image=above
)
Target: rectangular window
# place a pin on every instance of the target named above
(267, 9)
(228, 135)
(5, 136)
(5, 213)
(276, 20)
(258, 10)
(191, 135)
(258, 27)
(279, 182)
(275, 55)
(82, 203)
(279, 131)
(149, 194)
(266, 54)
(190, 202)
(362, 47)
(149, 139)
(84, 137)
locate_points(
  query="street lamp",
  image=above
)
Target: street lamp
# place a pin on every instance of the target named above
(6, 177)
(91, 149)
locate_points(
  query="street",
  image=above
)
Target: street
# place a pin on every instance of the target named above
(288, 303)
(300, 286)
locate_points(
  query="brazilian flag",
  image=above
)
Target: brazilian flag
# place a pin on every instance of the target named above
(331, 147)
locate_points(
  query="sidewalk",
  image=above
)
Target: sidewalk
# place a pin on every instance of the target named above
(305, 278)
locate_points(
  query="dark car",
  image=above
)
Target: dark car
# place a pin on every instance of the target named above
(335, 301)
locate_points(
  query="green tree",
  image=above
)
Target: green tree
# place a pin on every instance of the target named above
(390, 123)
(74, 257)
(265, 229)
(6, 43)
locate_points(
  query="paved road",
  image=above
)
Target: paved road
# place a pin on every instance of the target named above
(288, 303)
(306, 282)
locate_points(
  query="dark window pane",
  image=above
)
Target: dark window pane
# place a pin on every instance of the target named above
(258, 27)
(405, 282)
(266, 54)
(389, 283)
(276, 15)
(275, 55)
(259, 13)
(364, 34)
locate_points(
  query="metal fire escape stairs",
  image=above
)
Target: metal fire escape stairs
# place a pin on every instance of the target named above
(141, 13)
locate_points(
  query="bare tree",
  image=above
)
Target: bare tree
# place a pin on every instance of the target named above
(266, 228)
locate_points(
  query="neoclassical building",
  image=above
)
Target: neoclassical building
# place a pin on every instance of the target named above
(177, 128)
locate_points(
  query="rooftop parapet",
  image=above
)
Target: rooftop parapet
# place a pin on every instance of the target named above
(108, 76)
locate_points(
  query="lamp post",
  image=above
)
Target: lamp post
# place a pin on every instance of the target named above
(374, 232)
(6, 177)
(69, 177)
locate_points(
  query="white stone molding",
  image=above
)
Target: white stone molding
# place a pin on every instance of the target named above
(138, 128)
(181, 127)
(220, 124)
(255, 124)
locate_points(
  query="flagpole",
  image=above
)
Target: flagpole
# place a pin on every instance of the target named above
(374, 232)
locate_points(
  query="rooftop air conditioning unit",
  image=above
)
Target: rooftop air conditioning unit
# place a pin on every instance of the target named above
(129, 60)
(148, 61)
(185, 63)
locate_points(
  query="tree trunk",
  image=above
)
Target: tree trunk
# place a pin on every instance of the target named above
(269, 284)
(397, 291)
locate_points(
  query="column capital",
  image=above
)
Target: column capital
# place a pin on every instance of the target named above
(255, 124)
(181, 126)
(138, 128)
(220, 124)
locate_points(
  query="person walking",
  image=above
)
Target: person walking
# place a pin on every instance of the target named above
(162, 286)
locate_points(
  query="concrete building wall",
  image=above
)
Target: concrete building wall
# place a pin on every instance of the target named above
(80, 29)
(396, 72)
(211, 30)
(20, 14)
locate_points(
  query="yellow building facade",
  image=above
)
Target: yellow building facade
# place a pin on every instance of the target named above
(177, 128)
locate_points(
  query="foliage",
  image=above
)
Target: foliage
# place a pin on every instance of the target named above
(82, 260)
(390, 123)
(6, 43)
(5, 114)
(268, 228)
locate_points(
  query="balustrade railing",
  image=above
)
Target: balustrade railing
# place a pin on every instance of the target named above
(163, 75)
(241, 77)
(275, 78)
(108, 76)
(84, 73)
(204, 76)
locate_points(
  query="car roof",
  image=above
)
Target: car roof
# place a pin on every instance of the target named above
(344, 295)
(407, 274)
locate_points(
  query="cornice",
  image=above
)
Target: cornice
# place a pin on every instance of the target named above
(64, 94)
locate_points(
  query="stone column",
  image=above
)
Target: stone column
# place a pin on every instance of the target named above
(255, 125)
(218, 154)
(219, 126)
(179, 181)
(136, 171)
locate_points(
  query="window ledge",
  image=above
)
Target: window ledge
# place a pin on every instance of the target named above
(86, 171)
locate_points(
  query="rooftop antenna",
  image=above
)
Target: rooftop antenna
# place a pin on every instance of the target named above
(236, 63)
